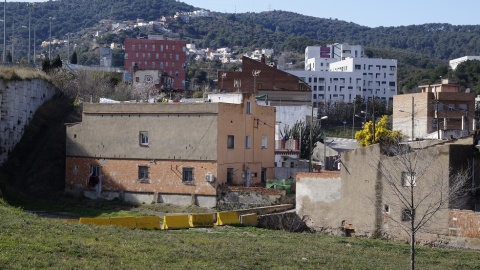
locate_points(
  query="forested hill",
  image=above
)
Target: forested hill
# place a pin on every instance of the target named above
(278, 29)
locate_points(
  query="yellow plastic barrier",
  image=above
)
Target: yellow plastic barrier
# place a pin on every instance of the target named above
(225, 218)
(249, 220)
(201, 220)
(95, 221)
(175, 222)
(148, 223)
(127, 222)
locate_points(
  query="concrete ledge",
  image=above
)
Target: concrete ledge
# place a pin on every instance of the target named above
(249, 220)
(149, 223)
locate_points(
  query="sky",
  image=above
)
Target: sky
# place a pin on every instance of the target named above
(371, 13)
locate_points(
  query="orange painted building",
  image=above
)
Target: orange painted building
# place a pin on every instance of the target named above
(173, 153)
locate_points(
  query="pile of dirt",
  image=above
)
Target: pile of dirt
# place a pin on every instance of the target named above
(36, 166)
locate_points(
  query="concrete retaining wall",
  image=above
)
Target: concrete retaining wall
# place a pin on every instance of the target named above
(19, 100)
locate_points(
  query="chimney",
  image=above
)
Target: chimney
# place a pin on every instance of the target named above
(262, 60)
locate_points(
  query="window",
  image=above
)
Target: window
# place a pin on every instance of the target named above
(248, 141)
(142, 172)
(407, 214)
(263, 176)
(143, 55)
(229, 176)
(231, 141)
(408, 180)
(173, 47)
(187, 175)
(249, 107)
(153, 47)
(391, 83)
(157, 56)
(264, 142)
(166, 47)
(126, 56)
(94, 170)
(143, 138)
(161, 48)
(133, 47)
(153, 64)
(386, 209)
(177, 57)
(451, 107)
(434, 122)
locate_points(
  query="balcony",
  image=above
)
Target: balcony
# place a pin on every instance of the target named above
(287, 145)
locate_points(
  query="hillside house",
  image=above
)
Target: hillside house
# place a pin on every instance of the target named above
(173, 153)
(438, 112)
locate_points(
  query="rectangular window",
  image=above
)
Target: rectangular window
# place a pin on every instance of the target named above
(249, 107)
(187, 175)
(161, 48)
(173, 47)
(153, 47)
(94, 170)
(157, 56)
(153, 64)
(133, 47)
(229, 176)
(143, 55)
(451, 107)
(407, 214)
(391, 83)
(148, 55)
(264, 142)
(126, 56)
(177, 57)
(142, 172)
(248, 141)
(408, 180)
(263, 175)
(231, 141)
(143, 138)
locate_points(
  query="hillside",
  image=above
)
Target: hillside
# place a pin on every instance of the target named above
(32, 242)
(278, 29)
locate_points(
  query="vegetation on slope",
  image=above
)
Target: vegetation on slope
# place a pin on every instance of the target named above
(32, 242)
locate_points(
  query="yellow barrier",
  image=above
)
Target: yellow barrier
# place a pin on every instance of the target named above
(127, 222)
(225, 218)
(249, 220)
(175, 222)
(95, 221)
(148, 222)
(201, 220)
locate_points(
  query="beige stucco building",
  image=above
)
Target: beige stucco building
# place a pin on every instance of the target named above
(174, 153)
(361, 195)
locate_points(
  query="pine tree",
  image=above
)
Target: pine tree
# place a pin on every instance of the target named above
(73, 59)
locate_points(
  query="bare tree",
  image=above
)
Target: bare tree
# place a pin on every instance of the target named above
(418, 181)
(144, 90)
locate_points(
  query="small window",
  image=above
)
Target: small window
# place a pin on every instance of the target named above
(153, 47)
(231, 141)
(408, 180)
(408, 214)
(248, 142)
(133, 47)
(177, 57)
(229, 176)
(126, 55)
(173, 47)
(142, 172)
(264, 142)
(249, 107)
(187, 175)
(386, 208)
(94, 170)
(143, 138)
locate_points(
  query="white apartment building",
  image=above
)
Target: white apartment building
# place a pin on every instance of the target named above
(318, 58)
(344, 80)
(455, 62)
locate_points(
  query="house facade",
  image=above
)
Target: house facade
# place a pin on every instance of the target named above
(361, 196)
(167, 152)
(164, 55)
(261, 79)
(438, 112)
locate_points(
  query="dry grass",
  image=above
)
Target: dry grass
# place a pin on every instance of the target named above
(22, 73)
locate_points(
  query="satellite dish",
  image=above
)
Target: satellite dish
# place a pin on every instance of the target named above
(467, 90)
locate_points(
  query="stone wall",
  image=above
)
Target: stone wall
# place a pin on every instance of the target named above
(19, 101)
(233, 198)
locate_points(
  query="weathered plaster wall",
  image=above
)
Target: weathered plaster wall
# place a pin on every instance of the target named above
(19, 101)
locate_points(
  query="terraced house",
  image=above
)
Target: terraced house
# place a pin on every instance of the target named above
(174, 153)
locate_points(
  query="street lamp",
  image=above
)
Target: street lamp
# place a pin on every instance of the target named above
(50, 39)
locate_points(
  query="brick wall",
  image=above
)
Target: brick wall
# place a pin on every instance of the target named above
(464, 223)
(122, 175)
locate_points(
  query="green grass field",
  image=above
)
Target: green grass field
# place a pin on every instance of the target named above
(30, 242)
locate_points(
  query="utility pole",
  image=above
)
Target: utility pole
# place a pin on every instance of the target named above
(353, 118)
(373, 117)
(29, 5)
(4, 33)
(413, 119)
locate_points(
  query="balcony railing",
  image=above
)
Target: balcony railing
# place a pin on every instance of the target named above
(287, 145)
